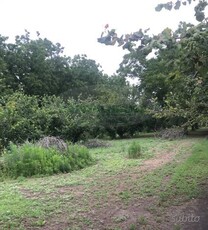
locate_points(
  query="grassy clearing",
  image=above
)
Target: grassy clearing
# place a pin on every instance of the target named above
(176, 182)
(188, 176)
(113, 179)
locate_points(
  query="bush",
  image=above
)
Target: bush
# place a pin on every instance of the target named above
(79, 156)
(25, 117)
(134, 150)
(29, 160)
(18, 120)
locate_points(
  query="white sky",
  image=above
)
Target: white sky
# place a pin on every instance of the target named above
(77, 24)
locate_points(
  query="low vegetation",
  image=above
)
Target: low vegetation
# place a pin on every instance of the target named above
(134, 150)
(30, 159)
(48, 100)
(116, 192)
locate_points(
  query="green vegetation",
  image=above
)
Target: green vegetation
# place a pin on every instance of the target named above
(134, 150)
(190, 175)
(36, 202)
(171, 67)
(44, 93)
(29, 159)
(186, 178)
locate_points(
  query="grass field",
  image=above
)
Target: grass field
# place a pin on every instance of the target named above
(168, 181)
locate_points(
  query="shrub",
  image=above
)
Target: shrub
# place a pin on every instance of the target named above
(79, 156)
(18, 119)
(29, 160)
(24, 117)
(134, 150)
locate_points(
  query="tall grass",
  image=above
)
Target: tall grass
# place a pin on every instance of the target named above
(134, 150)
(28, 160)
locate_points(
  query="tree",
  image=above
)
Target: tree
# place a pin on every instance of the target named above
(86, 75)
(69, 119)
(37, 67)
(171, 67)
(177, 75)
(118, 111)
(18, 120)
(130, 41)
(3, 66)
(189, 77)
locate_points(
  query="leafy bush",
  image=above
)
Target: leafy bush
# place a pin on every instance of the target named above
(79, 156)
(95, 143)
(134, 150)
(25, 117)
(29, 159)
(18, 120)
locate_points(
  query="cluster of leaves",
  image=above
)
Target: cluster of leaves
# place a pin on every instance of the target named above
(28, 160)
(172, 69)
(39, 67)
(130, 41)
(26, 117)
(110, 37)
(199, 8)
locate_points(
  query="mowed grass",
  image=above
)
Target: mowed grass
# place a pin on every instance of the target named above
(180, 179)
(34, 202)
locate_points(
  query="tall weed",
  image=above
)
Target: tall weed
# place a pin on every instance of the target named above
(28, 160)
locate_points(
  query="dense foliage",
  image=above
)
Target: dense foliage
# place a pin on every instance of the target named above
(174, 80)
(199, 8)
(27, 118)
(45, 93)
(29, 160)
(171, 67)
(39, 67)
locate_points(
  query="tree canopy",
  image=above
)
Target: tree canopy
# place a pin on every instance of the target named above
(39, 67)
(171, 66)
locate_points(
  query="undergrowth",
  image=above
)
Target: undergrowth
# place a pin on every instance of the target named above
(29, 159)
